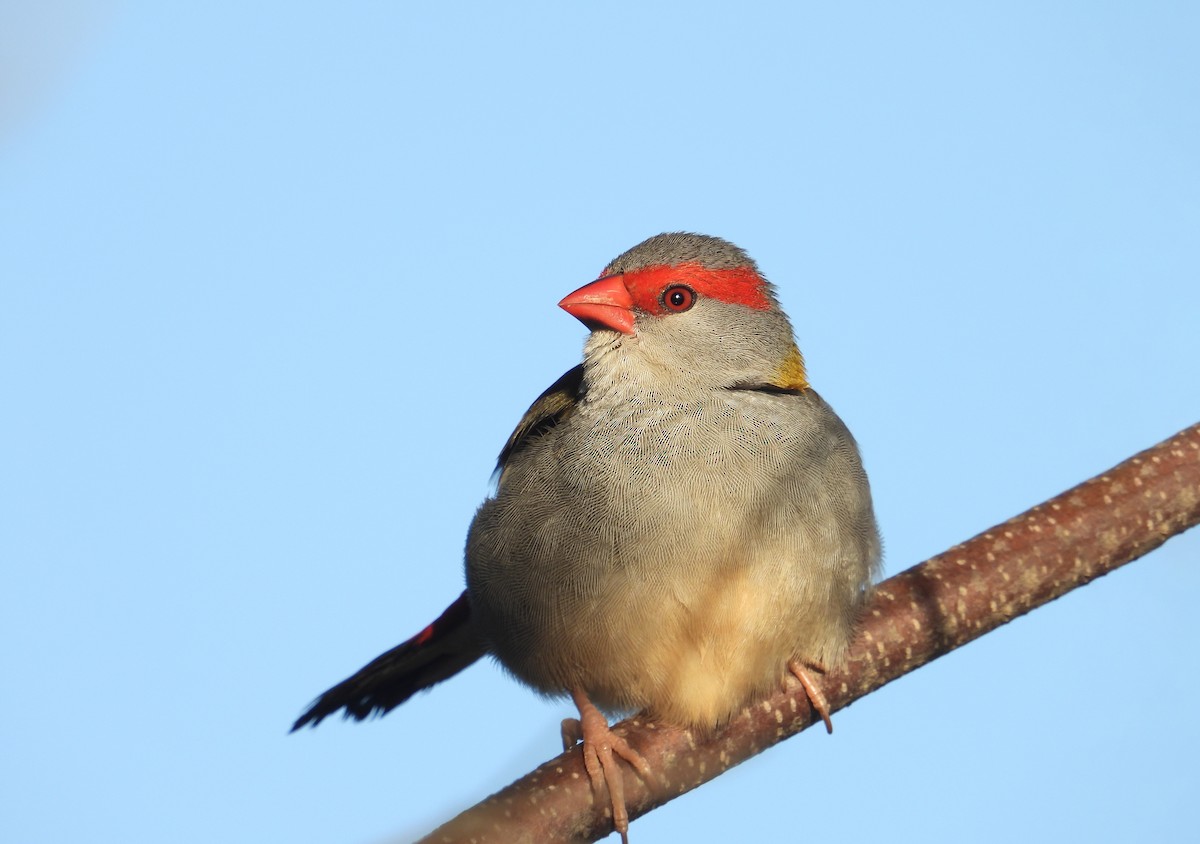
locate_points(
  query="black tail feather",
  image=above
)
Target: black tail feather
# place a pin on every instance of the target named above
(437, 653)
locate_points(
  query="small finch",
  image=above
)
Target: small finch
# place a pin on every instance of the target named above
(680, 520)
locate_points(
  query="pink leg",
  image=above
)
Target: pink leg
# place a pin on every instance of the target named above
(815, 697)
(599, 745)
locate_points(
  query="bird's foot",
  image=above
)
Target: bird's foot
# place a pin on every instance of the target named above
(815, 696)
(600, 747)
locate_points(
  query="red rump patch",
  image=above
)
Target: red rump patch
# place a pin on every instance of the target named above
(455, 615)
(738, 286)
(424, 636)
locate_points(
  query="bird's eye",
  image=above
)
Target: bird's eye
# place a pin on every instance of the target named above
(678, 298)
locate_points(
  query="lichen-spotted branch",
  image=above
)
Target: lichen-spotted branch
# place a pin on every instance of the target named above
(915, 617)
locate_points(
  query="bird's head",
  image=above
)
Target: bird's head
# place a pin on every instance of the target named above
(688, 310)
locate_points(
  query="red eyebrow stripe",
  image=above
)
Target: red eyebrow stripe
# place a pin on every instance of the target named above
(739, 286)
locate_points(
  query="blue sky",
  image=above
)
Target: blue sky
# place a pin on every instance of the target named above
(277, 280)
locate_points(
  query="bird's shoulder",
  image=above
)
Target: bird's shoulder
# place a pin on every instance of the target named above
(555, 404)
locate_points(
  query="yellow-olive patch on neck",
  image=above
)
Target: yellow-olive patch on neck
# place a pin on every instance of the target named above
(791, 374)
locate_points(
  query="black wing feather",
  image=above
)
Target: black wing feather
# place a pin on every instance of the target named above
(550, 408)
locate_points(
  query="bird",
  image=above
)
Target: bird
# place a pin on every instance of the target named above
(678, 523)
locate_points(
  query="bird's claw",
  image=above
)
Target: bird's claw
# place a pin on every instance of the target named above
(600, 747)
(815, 696)
(572, 732)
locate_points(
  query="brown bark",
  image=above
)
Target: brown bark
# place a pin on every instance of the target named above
(914, 617)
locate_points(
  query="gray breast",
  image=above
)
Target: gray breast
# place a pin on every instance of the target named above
(638, 498)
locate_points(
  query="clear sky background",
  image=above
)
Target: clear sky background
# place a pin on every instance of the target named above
(277, 280)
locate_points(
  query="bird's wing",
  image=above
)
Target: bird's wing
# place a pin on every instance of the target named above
(551, 407)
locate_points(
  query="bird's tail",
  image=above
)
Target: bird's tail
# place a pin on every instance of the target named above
(437, 653)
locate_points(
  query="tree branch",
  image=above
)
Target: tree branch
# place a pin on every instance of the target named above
(914, 617)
